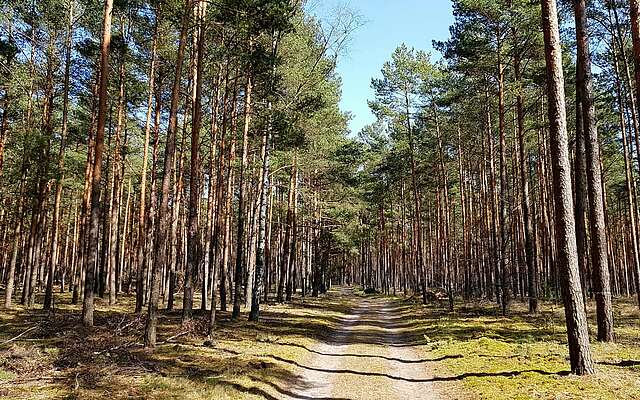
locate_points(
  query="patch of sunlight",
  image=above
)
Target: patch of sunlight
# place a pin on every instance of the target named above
(526, 357)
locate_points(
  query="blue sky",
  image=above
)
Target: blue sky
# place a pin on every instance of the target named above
(388, 23)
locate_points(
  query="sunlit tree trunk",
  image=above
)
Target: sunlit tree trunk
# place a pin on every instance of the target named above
(94, 219)
(577, 332)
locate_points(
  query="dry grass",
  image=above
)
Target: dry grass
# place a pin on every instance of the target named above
(61, 359)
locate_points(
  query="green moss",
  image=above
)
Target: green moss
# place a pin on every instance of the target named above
(526, 357)
(6, 375)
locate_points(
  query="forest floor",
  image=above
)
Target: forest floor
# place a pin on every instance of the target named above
(344, 345)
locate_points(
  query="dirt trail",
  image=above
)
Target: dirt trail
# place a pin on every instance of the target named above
(371, 354)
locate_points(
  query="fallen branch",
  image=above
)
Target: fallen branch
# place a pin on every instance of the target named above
(120, 323)
(20, 335)
(127, 345)
(122, 346)
(122, 328)
(173, 337)
(45, 378)
(36, 378)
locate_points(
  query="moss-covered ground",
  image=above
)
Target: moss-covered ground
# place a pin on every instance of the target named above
(523, 356)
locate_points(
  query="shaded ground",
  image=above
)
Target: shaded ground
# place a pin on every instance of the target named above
(342, 346)
(57, 358)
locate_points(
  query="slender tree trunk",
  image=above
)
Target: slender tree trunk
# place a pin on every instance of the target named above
(111, 249)
(580, 168)
(577, 332)
(635, 36)
(48, 298)
(142, 215)
(240, 256)
(193, 255)
(289, 255)
(87, 306)
(598, 231)
(262, 220)
(493, 204)
(286, 243)
(633, 226)
(530, 259)
(504, 268)
(417, 229)
(163, 215)
(16, 247)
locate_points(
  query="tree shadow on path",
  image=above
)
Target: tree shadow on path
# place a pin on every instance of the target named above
(400, 360)
(415, 380)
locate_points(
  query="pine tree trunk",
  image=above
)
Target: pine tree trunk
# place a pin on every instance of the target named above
(502, 213)
(599, 252)
(193, 253)
(262, 220)
(577, 332)
(96, 175)
(417, 228)
(242, 201)
(290, 254)
(286, 243)
(116, 178)
(635, 35)
(631, 204)
(530, 259)
(163, 214)
(142, 212)
(581, 203)
(48, 298)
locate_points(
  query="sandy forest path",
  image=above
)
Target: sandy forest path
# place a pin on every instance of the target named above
(371, 354)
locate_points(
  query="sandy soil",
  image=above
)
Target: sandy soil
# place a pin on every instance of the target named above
(370, 355)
